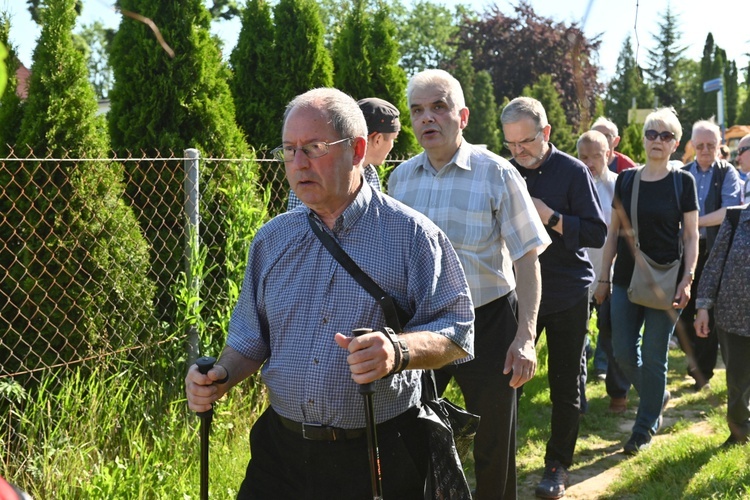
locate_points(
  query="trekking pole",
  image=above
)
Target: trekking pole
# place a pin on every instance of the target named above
(367, 390)
(205, 363)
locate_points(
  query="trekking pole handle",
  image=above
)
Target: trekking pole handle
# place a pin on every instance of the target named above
(205, 363)
(364, 388)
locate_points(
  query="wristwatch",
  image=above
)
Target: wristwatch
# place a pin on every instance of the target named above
(553, 219)
(400, 348)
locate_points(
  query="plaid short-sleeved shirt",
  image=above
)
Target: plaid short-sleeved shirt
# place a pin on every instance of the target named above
(295, 297)
(482, 204)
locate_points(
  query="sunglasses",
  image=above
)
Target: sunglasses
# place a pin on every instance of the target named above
(742, 150)
(665, 136)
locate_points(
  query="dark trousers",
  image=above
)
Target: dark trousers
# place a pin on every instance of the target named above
(704, 350)
(617, 383)
(285, 466)
(487, 393)
(736, 352)
(566, 333)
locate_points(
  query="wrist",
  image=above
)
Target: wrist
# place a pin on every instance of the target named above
(400, 351)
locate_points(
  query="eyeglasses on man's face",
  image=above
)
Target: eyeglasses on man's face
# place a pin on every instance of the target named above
(652, 135)
(708, 146)
(312, 150)
(521, 144)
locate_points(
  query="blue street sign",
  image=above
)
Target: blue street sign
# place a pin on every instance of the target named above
(711, 85)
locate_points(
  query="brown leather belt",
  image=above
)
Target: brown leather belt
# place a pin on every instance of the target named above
(318, 432)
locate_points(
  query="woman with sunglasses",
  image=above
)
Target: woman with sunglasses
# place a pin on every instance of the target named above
(667, 210)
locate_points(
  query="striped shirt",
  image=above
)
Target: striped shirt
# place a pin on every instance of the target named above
(482, 204)
(296, 297)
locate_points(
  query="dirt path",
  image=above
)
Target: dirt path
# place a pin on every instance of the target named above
(590, 481)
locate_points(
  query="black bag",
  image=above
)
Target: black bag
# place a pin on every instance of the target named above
(451, 428)
(451, 431)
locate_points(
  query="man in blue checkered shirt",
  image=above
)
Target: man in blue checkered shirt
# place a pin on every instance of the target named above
(482, 204)
(298, 306)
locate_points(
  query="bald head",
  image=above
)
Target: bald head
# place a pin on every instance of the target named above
(593, 151)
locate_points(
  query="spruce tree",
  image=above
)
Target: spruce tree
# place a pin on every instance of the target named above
(255, 76)
(545, 92)
(161, 104)
(80, 263)
(663, 61)
(626, 85)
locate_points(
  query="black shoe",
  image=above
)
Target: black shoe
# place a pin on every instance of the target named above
(732, 441)
(554, 481)
(637, 443)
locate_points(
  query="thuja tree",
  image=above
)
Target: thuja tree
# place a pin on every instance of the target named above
(169, 95)
(77, 273)
(366, 57)
(545, 92)
(626, 88)
(253, 80)
(303, 63)
(10, 103)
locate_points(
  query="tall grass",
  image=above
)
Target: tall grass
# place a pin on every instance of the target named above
(122, 436)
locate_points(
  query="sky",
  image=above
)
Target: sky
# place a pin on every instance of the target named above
(611, 19)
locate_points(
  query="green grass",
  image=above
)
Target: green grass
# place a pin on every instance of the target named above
(126, 436)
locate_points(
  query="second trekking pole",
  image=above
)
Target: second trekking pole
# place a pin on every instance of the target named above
(205, 363)
(367, 390)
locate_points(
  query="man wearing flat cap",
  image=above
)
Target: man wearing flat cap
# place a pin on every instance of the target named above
(383, 127)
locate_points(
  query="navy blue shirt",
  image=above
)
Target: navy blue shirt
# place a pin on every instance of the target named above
(565, 184)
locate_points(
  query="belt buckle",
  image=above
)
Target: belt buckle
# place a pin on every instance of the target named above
(315, 431)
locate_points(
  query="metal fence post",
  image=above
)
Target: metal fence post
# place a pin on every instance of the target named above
(192, 240)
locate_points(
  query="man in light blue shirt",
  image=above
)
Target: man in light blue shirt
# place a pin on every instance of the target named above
(298, 307)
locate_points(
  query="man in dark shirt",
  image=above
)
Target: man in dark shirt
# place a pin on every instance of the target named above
(565, 197)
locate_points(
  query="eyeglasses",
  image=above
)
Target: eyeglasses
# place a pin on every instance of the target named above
(521, 144)
(742, 150)
(665, 136)
(709, 147)
(311, 150)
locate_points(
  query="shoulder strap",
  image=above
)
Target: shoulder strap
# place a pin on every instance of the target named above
(678, 189)
(395, 316)
(634, 205)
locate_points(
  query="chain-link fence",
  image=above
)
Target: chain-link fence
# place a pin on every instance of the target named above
(106, 261)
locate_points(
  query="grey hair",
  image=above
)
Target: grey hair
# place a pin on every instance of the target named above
(524, 107)
(437, 78)
(667, 117)
(607, 124)
(342, 110)
(707, 126)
